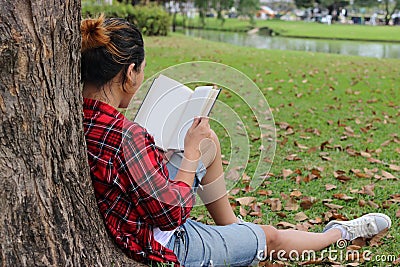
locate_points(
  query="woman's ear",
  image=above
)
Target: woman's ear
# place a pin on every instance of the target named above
(130, 72)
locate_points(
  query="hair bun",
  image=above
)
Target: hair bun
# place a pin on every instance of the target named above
(94, 34)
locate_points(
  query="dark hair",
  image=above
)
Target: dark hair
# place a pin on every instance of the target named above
(109, 46)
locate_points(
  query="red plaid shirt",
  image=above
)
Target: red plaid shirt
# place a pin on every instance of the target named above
(131, 183)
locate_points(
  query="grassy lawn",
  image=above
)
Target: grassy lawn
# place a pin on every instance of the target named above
(307, 29)
(338, 114)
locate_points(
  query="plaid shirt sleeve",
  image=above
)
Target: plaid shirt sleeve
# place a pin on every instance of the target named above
(160, 201)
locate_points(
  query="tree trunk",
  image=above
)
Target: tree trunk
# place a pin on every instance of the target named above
(48, 215)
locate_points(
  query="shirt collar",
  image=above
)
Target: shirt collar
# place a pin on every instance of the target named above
(97, 105)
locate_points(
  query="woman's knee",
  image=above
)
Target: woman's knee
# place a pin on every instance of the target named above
(210, 149)
(272, 236)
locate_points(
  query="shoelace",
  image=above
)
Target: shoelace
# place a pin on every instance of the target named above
(363, 227)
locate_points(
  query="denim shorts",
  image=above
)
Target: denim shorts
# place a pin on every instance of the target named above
(197, 244)
(238, 244)
(173, 168)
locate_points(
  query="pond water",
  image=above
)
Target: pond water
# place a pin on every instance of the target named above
(356, 48)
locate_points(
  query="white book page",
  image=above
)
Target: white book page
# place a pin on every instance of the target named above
(196, 107)
(162, 108)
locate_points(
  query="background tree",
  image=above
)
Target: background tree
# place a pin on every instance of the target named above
(221, 5)
(304, 3)
(390, 7)
(366, 3)
(203, 7)
(48, 213)
(248, 8)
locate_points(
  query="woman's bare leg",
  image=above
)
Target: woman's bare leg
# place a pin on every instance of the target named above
(215, 198)
(213, 191)
(298, 241)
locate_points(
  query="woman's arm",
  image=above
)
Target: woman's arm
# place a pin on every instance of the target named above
(199, 130)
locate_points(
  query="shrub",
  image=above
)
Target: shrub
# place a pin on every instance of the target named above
(151, 19)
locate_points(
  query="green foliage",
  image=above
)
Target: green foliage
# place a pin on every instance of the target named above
(366, 3)
(304, 3)
(323, 3)
(248, 8)
(151, 19)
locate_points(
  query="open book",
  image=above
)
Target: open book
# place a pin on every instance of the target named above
(168, 110)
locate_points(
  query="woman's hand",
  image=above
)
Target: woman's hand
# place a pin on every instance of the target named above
(199, 131)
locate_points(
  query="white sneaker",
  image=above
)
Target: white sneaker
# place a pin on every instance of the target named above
(240, 219)
(366, 226)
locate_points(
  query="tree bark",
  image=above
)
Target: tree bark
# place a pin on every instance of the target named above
(48, 214)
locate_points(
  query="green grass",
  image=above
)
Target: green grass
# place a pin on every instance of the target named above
(311, 91)
(334, 31)
(307, 29)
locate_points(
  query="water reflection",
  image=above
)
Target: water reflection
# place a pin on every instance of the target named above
(365, 49)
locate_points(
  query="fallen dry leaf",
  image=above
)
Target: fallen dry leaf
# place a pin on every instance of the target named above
(373, 160)
(373, 204)
(355, 257)
(292, 157)
(376, 240)
(368, 190)
(256, 207)
(242, 211)
(388, 175)
(234, 191)
(307, 202)
(256, 213)
(233, 175)
(286, 173)
(317, 220)
(295, 193)
(353, 247)
(365, 154)
(281, 214)
(333, 206)
(326, 158)
(303, 227)
(300, 145)
(275, 203)
(398, 214)
(360, 174)
(329, 187)
(394, 167)
(352, 152)
(245, 177)
(343, 178)
(265, 192)
(301, 216)
(258, 221)
(286, 225)
(291, 205)
(387, 142)
(246, 201)
(342, 196)
(361, 242)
